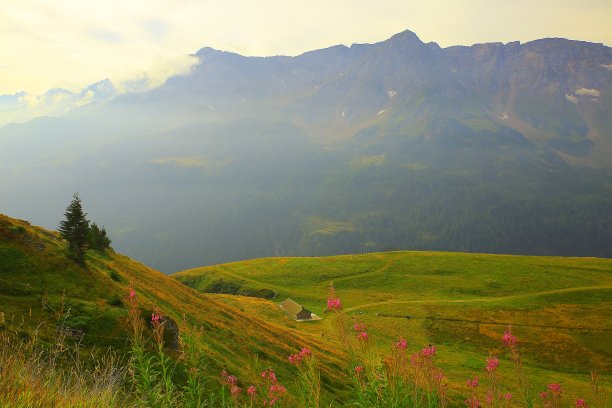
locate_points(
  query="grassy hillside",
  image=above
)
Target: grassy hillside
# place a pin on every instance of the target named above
(41, 289)
(560, 308)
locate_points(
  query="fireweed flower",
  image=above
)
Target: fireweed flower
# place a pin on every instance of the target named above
(508, 396)
(363, 336)
(580, 403)
(555, 388)
(251, 391)
(132, 294)
(333, 302)
(473, 383)
(359, 327)
(401, 344)
(509, 339)
(276, 390)
(156, 317)
(429, 351)
(269, 374)
(359, 369)
(543, 395)
(295, 359)
(492, 364)
(235, 391)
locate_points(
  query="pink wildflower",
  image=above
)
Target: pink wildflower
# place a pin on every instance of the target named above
(269, 374)
(359, 327)
(278, 389)
(489, 398)
(295, 359)
(359, 369)
(362, 336)
(401, 344)
(543, 395)
(275, 391)
(334, 304)
(251, 391)
(232, 380)
(555, 388)
(132, 294)
(492, 364)
(235, 391)
(508, 396)
(156, 317)
(429, 351)
(473, 383)
(509, 339)
(580, 403)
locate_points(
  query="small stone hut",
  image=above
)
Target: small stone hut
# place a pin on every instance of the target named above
(295, 310)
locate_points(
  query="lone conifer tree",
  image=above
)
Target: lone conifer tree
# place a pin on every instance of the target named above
(75, 229)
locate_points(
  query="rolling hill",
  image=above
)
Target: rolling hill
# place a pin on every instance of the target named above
(496, 148)
(42, 290)
(559, 307)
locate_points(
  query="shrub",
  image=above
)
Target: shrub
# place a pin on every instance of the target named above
(115, 276)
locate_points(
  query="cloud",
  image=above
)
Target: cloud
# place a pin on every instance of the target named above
(106, 36)
(21, 107)
(70, 43)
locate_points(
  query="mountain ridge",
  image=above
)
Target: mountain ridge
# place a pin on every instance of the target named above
(398, 144)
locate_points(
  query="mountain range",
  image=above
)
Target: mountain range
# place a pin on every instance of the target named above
(501, 148)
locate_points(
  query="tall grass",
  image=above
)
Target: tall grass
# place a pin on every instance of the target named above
(56, 374)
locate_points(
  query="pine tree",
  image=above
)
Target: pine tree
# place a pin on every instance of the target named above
(98, 239)
(75, 229)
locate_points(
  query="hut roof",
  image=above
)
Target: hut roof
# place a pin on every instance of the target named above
(291, 307)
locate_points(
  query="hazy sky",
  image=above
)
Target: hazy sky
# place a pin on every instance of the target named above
(72, 43)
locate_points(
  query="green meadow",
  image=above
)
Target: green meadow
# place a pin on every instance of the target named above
(560, 308)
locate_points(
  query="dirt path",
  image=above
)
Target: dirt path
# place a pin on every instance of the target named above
(483, 299)
(375, 272)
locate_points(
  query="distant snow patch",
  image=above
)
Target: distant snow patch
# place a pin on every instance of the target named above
(571, 98)
(380, 112)
(587, 91)
(342, 113)
(608, 66)
(211, 108)
(503, 116)
(391, 93)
